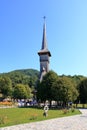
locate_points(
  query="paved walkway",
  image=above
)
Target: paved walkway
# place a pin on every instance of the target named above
(78, 122)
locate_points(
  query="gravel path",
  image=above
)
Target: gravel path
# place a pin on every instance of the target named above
(78, 122)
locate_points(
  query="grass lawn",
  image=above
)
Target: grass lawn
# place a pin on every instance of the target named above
(14, 116)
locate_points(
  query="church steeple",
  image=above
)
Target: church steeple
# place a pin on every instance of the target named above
(44, 47)
(44, 54)
(44, 41)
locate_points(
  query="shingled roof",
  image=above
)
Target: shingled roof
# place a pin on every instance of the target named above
(44, 48)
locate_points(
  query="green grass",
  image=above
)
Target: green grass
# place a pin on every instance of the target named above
(14, 116)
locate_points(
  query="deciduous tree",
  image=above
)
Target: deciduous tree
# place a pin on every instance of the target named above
(21, 91)
(5, 86)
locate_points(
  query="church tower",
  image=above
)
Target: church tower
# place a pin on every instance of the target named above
(44, 54)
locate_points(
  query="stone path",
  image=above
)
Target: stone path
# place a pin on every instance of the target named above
(78, 122)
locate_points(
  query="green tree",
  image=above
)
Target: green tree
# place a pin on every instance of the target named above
(21, 91)
(5, 86)
(24, 76)
(83, 91)
(45, 88)
(68, 91)
(57, 88)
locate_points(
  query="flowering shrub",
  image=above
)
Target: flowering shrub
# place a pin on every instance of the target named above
(65, 111)
(6, 103)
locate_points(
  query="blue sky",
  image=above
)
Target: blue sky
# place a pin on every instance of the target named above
(21, 28)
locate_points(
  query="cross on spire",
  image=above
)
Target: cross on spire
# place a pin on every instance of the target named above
(44, 18)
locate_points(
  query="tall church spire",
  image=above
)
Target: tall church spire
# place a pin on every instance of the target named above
(44, 41)
(44, 55)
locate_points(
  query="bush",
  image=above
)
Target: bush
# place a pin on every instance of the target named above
(6, 103)
(65, 111)
(72, 109)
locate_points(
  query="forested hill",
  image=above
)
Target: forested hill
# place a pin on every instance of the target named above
(31, 76)
(27, 72)
(23, 76)
(22, 83)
